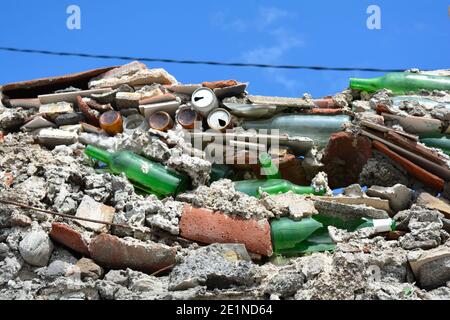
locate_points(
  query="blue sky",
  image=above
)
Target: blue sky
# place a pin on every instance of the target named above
(320, 32)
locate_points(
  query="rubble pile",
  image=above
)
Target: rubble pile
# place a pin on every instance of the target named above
(122, 183)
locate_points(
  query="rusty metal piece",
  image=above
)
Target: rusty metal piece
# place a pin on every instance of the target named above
(92, 115)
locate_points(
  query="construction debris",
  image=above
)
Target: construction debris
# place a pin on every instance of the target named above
(122, 183)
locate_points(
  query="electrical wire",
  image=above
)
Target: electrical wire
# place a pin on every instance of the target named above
(195, 62)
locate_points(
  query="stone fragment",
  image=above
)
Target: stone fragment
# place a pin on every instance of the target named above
(215, 266)
(219, 84)
(91, 209)
(69, 119)
(70, 238)
(207, 226)
(126, 100)
(36, 248)
(117, 253)
(399, 196)
(56, 137)
(20, 220)
(431, 268)
(89, 269)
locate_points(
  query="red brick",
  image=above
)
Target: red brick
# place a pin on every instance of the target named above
(208, 227)
(2, 137)
(326, 111)
(116, 253)
(69, 237)
(219, 84)
(345, 156)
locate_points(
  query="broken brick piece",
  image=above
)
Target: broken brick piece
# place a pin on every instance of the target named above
(219, 84)
(116, 253)
(207, 226)
(69, 237)
(158, 99)
(345, 156)
(326, 111)
(2, 137)
(414, 170)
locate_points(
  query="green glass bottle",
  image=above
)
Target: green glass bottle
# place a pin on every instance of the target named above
(440, 141)
(268, 167)
(316, 127)
(144, 174)
(401, 83)
(290, 237)
(273, 186)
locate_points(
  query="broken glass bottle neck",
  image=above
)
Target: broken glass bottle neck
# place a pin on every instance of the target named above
(99, 154)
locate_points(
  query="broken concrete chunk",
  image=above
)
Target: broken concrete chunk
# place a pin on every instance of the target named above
(133, 74)
(215, 266)
(424, 226)
(116, 253)
(431, 268)
(91, 209)
(348, 212)
(36, 248)
(56, 137)
(290, 204)
(126, 100)
(55, 109)
(399, 196)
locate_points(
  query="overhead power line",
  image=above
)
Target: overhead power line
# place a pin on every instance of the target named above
(214, 63)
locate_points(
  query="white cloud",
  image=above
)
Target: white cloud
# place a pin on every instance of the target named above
(280, 41)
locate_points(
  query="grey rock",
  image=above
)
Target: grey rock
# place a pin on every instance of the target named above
(9, 269)
(69, 119)
(399, 196)
(36, 248)
(55, 269)
(285, 284)
(216, 266)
